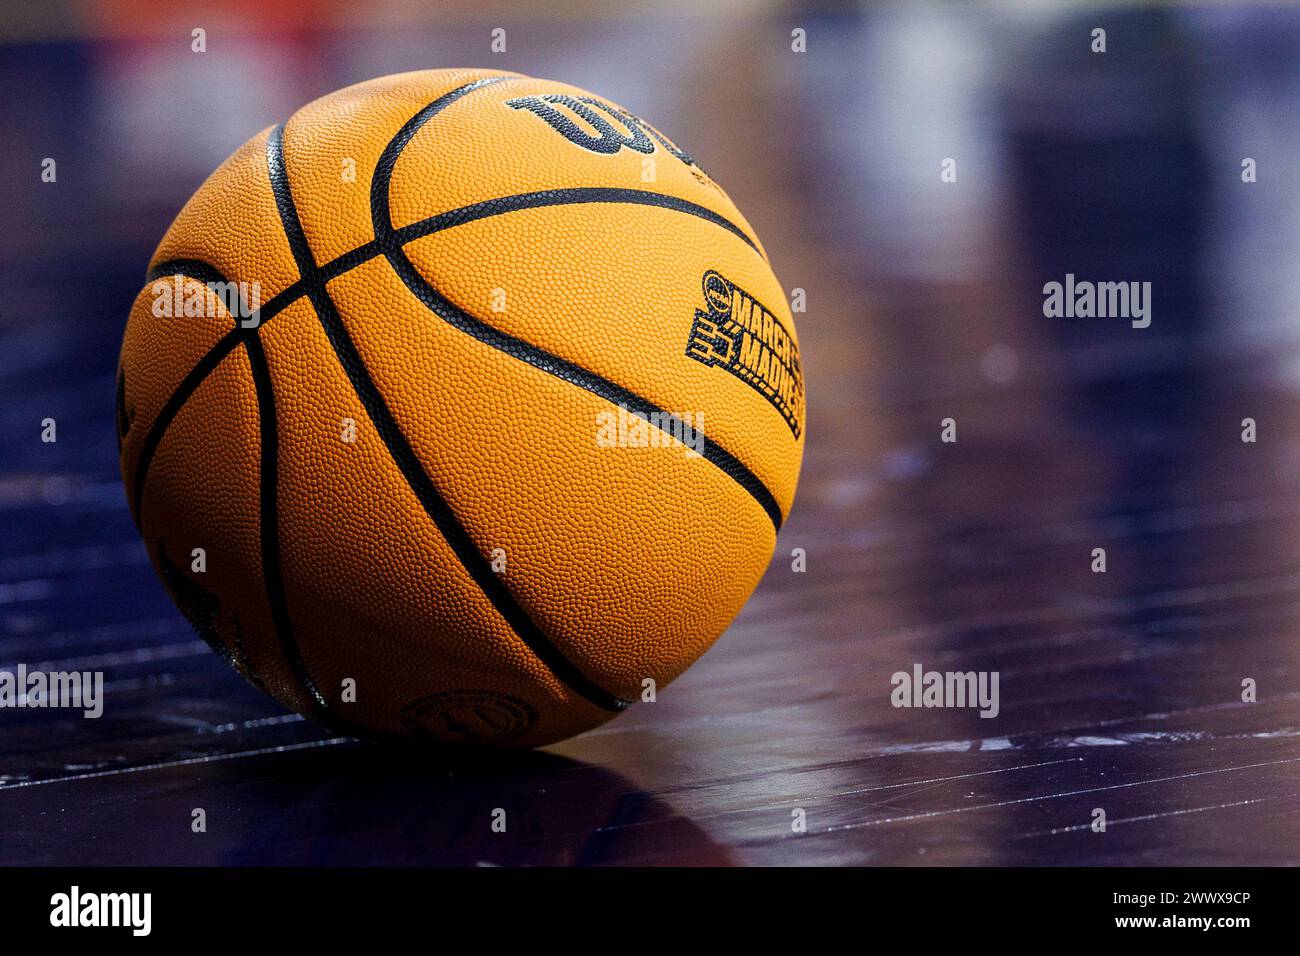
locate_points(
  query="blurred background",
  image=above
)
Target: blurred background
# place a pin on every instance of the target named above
(1120, 690)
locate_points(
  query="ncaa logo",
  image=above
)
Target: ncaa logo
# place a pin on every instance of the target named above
(717, 294)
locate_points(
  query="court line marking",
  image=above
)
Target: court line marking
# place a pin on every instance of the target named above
(1154, 816)
(188, 762)
(1053, 796)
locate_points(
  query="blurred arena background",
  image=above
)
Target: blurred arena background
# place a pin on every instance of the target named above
(1119, 690)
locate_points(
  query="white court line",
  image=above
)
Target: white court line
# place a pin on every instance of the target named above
(210, 758)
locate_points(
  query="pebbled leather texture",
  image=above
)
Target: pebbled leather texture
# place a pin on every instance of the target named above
(512, 266)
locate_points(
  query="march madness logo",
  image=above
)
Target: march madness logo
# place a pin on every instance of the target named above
(735, 331)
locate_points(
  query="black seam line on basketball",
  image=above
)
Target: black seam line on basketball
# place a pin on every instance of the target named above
(189, 384)
(269, 529)
(474, 212)
(564, 197)
(567, 371)
(384, 168)
(205, 272)
(432, 501)
(274, 582)
(533, 355)
(194, 268)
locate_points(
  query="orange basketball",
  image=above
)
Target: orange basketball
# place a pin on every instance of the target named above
(463, 405)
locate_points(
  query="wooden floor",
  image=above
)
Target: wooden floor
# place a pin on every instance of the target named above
(1119, 691)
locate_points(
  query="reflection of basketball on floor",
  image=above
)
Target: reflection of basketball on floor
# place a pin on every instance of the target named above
(376, 457)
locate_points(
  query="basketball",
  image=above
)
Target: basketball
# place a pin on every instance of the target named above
(462, 405)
